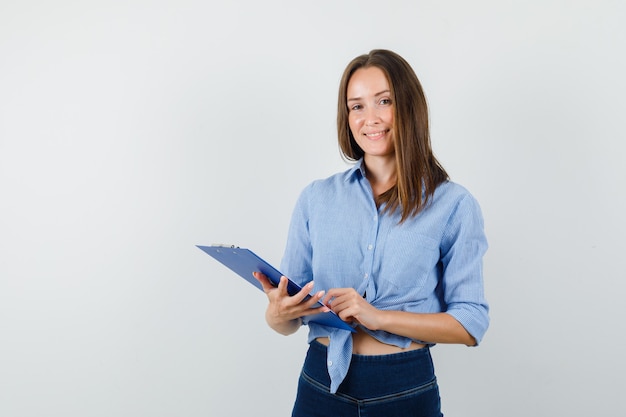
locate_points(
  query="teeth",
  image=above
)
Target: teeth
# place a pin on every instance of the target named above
(375, 134)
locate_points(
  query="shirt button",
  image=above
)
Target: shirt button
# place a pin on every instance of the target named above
(330, 363)
(365, 275)
(369, 247)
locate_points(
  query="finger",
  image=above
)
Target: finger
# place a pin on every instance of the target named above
(346, 302)
(304, 292)
(348, 318)
(317, 310)
(335, 293)
(265, 281)
(282, 286)
(333, 298)
(316, 298)
(327, 299)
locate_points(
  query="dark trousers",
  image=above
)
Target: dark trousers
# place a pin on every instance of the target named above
(401, 384)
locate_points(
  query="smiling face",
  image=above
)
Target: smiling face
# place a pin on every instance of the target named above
(370, 112)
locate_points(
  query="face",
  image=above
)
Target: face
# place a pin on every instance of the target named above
(370, 112)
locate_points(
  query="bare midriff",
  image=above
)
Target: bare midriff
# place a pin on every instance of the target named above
(364, 344)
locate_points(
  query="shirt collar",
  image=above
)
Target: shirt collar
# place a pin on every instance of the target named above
(359, 167)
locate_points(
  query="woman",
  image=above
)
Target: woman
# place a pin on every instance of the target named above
(395, 249)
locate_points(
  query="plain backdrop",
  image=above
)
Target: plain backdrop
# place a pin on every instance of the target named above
(131, 131)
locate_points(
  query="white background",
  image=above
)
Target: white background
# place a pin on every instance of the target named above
(132, 130)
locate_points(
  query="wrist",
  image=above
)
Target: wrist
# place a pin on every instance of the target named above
(382, 320)
(284, 327)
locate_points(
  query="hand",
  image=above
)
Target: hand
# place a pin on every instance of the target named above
(284, 311)
(350, 306)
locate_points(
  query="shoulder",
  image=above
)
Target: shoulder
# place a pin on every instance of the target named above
(461, 215)
(452, 193)
(456, 203)
(451, 189)
(333, 183)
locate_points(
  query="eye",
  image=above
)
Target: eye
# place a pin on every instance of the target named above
(385, 101)
(356, 107)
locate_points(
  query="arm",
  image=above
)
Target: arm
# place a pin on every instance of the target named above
(430, 327)
(465, 318)
(434, 328)
(284, 312)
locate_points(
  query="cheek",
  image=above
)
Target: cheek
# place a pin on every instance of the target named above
(389, 116)
(354, 123)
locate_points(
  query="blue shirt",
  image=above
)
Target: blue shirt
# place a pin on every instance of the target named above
(430, 263)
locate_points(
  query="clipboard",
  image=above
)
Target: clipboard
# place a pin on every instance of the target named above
(244, 262)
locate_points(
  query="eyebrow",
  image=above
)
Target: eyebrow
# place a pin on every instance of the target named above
(375, 95)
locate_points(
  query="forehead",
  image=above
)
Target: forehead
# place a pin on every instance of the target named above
(368, 80)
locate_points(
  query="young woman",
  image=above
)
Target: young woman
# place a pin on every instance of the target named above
(394, 248)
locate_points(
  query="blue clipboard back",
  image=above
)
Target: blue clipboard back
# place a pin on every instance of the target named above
(244, 262)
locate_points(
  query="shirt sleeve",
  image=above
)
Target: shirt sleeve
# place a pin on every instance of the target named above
(297, 258)
(463, 246)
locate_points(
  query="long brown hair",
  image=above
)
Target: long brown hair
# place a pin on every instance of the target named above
(418, 171)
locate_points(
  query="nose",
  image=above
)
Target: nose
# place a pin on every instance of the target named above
(372, 117)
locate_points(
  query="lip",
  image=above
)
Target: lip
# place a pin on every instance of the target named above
(376, 135)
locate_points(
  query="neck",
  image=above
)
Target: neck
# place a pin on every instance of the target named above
(381, 173)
